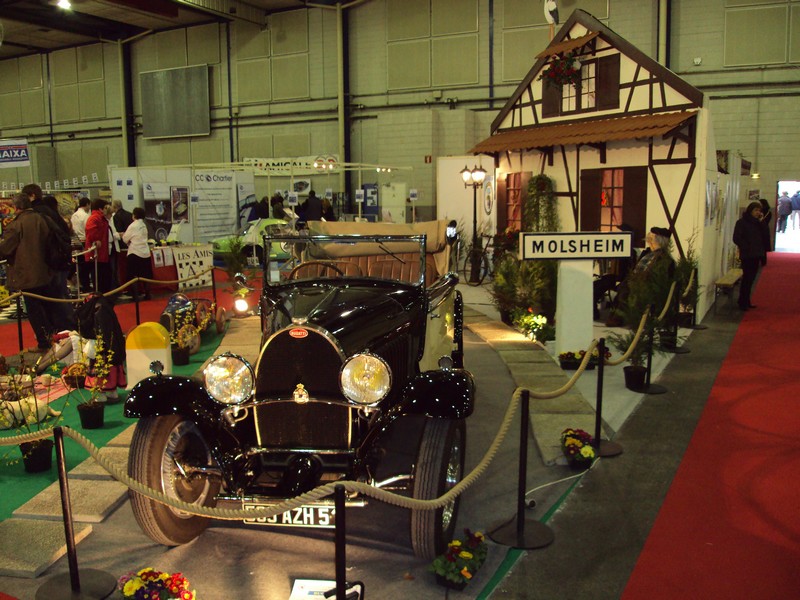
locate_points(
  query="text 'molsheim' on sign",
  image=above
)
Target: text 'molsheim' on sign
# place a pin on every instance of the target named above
(580, 245)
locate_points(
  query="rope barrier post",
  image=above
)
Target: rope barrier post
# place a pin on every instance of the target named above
(604, 448)
(19, 323)
(695, 325)
(651, 388)
(96, 584)
(672, 347)
(136, 301)
(214, 287)
(341, 545)
(519, 532)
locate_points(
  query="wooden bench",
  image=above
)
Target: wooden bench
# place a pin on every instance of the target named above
(726, 283)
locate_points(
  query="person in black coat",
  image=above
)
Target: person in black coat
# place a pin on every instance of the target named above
(748, 235)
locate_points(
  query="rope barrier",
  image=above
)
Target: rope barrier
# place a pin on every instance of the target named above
(636, 338)
(311, 496)
(667, 303)
(568, 386)
(688, 286)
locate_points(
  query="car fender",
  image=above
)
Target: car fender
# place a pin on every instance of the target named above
(442, 394)
(167, 395)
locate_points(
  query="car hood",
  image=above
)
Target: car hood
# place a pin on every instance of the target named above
(357, 316)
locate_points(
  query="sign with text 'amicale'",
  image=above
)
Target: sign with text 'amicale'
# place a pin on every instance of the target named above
(583, 245)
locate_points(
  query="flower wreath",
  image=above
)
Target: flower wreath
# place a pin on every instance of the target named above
(563, 70)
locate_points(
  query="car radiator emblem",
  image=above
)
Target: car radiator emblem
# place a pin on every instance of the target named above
(298, 332)
(300, 395)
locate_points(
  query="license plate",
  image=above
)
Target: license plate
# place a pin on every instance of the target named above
(308, 515)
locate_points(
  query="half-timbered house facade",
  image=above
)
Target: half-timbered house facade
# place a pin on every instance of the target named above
(625, 139)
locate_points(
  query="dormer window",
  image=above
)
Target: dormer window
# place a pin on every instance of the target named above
(598, 89)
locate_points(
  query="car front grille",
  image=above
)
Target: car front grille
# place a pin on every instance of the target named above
(313, 425)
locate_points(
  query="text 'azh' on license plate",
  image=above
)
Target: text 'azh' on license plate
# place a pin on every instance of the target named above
(308, 515)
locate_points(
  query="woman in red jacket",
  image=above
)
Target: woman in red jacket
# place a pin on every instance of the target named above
(98, 236)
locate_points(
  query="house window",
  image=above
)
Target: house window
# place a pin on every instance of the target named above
(514, 201)
(612, 196)
(582, 96)
(597, 90)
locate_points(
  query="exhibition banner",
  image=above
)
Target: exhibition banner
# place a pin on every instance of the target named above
(14, 153)
(214, 192)
(246, 194)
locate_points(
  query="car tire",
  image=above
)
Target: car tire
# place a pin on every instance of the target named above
(439, 466)
(156, 441)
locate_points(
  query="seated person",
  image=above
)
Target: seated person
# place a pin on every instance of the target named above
(610, 281)
(655, 261)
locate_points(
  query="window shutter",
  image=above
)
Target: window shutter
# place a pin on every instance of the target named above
(551, 98)
(634, 211)
(591, 185)
(608, 82)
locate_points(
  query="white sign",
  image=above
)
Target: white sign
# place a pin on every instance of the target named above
(14, 153)
(292, 198)
(329, 193)
(299, 165)
(583, 245)
(413, 195)
(216, 209)
(84, 179)
(360, 196)
(192, 260)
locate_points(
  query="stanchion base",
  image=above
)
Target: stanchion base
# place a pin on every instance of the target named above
(697, 327)
(608, 449)
(652, 388)
(534, 535)
(95, 585)
(677, 350)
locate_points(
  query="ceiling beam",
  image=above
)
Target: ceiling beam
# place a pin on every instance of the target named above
(71, 21)
(229, 9)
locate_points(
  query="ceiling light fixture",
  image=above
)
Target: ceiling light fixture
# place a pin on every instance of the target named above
(65, 4)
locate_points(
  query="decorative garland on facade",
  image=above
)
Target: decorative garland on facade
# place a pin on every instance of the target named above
(563, 70)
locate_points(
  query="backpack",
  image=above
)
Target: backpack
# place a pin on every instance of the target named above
(58, 249)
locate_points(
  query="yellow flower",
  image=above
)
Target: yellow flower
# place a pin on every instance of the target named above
(455, 543)
(131, 586)
(587, 452)
(466, 574)
(465, 555)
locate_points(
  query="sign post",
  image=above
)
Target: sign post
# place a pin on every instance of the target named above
(575, 253)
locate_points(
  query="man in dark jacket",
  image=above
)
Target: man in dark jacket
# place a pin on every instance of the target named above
(121, 219)
(784, 210)
(748, 235)
(23, 244)
(313, 207)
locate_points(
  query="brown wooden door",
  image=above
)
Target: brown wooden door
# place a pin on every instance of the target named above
(610, 197)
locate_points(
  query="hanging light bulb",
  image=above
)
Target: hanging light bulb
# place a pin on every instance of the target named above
(65, 4)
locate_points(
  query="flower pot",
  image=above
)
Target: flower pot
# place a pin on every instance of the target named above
(685, 319)
(634, 377)
(569, 365)
(74, 381)
(453, 585)
(37, 456)
(180, 356)
(579, 465)
(91, 414)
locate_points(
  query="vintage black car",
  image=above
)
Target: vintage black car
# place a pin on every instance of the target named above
(359, 340)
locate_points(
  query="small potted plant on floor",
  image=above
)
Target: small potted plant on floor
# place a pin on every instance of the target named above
(458, 564)
(534, 326)
(149, 583)
(576, 444)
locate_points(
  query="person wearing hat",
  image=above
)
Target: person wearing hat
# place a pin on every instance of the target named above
(655, 259)
(748, 235)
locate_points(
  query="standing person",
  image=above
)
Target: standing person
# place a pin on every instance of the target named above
(138, 260)
(748, 235)
(78, 220)
(313, 207)
(327, 210)
(121, 218)
(276, 203)
(795, 209)
(22, 244)
(99, 236)
(784, 210)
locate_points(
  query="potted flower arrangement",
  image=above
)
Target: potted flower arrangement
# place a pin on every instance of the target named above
(532, 325)
(563, 70)
(91, 408)
(22, 409)
(462, 559)
(576, 444)
(570, 361)
(149, 583)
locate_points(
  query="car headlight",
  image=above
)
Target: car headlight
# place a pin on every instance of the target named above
(365, 379)
(229, 379)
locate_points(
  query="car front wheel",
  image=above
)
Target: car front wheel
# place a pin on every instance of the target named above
(439, 467)
(163, 450)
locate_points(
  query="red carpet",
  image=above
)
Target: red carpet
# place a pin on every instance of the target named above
(730, 524)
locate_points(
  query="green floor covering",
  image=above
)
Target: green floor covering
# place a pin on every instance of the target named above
(17, 486)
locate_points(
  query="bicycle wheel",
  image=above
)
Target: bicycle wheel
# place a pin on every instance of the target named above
(474, 276)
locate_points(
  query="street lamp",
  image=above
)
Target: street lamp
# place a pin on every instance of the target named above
(475, 179)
